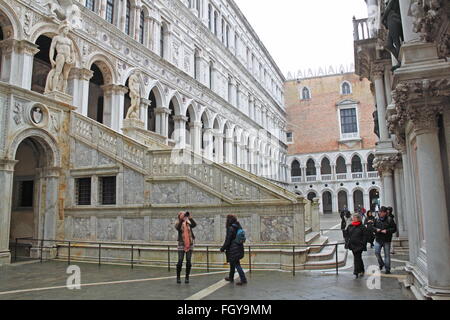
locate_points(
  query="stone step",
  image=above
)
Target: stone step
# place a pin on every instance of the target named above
(326, 253)
(308, 230)
(319, 241)
(310, 237)
(329, 263)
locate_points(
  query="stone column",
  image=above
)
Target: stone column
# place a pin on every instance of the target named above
(162, 121)
(145, 104)
(180, 131)
(333, 172)
(113, 113)
(335, 202)
(350, 203)
(377, 75)
(79, 81)
(102, 9)
(233, 90)
(208, 143)
(6, 181)
(17, 62)
(407, 21)
(399, 211)
(229, 150)
(432, 196)
(318, 173)
(136, 21)
(50, 214)
(386, 172)
(196, 136)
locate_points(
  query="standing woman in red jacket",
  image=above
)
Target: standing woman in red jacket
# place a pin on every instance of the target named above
(356, 240)
(186, 238)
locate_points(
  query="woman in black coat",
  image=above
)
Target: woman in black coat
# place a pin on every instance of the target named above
(356, 240)
(233, 250)
(370, 219)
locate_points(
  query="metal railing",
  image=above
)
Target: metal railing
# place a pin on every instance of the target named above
(170, 248)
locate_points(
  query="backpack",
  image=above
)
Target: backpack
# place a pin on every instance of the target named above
(240, 236)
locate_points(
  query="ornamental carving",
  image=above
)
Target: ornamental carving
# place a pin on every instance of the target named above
(428, 16)
(377, 70)
(386, 163)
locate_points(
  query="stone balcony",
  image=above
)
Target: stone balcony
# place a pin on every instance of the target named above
(336, 177)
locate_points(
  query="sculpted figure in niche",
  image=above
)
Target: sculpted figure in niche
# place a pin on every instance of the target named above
(393, 22)
(135, 95)
(64, 61)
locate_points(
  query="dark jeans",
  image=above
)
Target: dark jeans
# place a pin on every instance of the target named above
(181, 258)
(237, 265)
(358, 262)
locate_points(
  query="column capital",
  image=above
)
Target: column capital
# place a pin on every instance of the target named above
(195, 124)
(377, 70)
(20, 46)
(424, 119)
(114, 89)
(385, 164)
(81, 74)
(163, 110)
(180, 118)
(146, 102)
(7, 165)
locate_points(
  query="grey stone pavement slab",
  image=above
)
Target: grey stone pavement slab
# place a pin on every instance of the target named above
(25, 281)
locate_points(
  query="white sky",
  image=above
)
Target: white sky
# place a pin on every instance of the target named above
(302, 34)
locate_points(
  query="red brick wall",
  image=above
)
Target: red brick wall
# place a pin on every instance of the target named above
(315, 122)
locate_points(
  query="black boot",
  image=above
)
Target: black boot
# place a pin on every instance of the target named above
(188, 271)
(179, 273)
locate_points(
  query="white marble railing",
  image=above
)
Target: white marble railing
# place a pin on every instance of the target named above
(108, 141)
(311, 178)
(327, 177)
(341, 176)
(296, 179)
(373, 174)
(357, 175)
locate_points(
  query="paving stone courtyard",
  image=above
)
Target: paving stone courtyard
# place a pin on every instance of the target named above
(31, 280)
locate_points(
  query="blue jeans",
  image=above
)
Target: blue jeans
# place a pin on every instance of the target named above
(387, 254)
(237, 265)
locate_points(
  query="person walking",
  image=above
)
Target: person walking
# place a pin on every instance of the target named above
(234, 249)
(356, 241)
(368, 223)
(186, 238)
(391, 215)
(345, 219)
(384, 227)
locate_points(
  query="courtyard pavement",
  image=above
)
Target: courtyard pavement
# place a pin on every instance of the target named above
(47, 281)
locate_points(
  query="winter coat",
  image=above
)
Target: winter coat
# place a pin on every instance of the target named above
(344, 219)
(180, 234)
(356, 238)
(387, 224)
(234, 251)
(370, 229)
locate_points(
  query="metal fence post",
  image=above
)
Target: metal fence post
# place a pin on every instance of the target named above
(132, 257)
(69, 254)
(42, 246)
(15, 252)
(337, 260)
(99, 254)
(207, 259)
(250, 258)
(168, 257)
(293, 260)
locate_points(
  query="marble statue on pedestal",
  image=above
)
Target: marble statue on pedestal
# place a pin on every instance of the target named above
(63, 63)
(135, 95)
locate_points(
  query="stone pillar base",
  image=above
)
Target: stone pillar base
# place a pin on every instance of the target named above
(5, 257)
(47, 253)
(59, 96)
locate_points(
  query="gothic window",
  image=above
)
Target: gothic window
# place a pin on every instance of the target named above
(306, 93)
(83, 189)
(215, 22)
(296, 171)
(349, 122)
(127, 18)
(110, 11)
(107, 186)
(356, 164)
(90, 4)
(310, 168)
(325, 167)
(141, 28)
(370, 163)
(346, 88)
(341, 166)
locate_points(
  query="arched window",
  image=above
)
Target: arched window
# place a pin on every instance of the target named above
(215, 22)
(346, 88)
(162, 39)
(306, 94)
(325, 167)
(340, 165)
(110, 11)
(210, 17)
(310, 168)
(295, 169)
(356, 164)
(141, 28)
(370, 163)
(90, 4)
(127, 18)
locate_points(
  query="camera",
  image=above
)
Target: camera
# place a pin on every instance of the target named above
(187, 214)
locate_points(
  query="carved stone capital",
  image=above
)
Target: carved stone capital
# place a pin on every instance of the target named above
(424, 118)
(385, 164)
(428, 16)
(377, 70)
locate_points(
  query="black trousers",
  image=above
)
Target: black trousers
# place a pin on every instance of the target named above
(358, 262)
(181, 255)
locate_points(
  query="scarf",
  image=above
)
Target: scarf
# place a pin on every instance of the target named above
(185, 232)
(356, 223)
